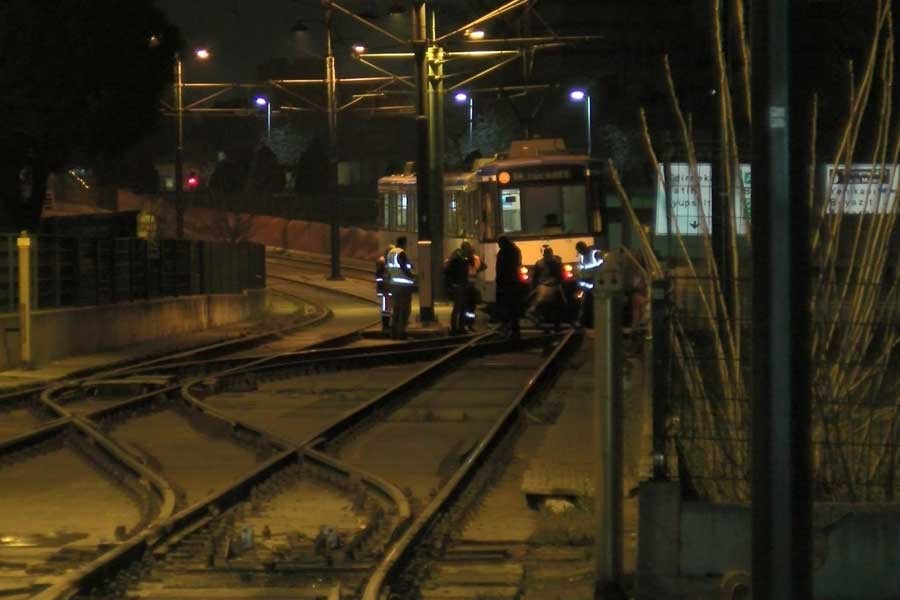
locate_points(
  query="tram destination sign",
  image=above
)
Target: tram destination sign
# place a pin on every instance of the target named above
(861, 188)
(540, 174)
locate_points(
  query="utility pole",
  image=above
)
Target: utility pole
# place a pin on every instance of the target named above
(179, 148)
(781, 459)
(423, 162)
(331, 110)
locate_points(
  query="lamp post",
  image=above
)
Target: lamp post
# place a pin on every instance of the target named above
(464, 98)
(263, 101)
(583, 96)
(201, 54)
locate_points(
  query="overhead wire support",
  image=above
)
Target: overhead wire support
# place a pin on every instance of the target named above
(366, 22)
(512, 5)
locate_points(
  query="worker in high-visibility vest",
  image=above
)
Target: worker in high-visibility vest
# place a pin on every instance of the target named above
(402, 282)
(382, 289)
(590, 260)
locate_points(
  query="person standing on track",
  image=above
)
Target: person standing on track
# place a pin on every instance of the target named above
(509, 292)
(456, 278)
(402, 281)
(382, 289)
(473, 297)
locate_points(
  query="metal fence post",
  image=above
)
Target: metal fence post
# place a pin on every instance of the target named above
(607, 391)
(659, 314)
(24, 245)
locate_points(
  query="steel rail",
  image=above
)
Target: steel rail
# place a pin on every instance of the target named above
(394, 559)
(155, 540)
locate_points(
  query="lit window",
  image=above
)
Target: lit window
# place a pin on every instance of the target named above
(402, 207)
(385, 214)
(452, 216)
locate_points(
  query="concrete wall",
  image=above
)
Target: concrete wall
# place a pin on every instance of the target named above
(71, 331)
(685, 549)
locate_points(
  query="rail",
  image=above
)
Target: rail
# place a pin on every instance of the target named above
(393, 561)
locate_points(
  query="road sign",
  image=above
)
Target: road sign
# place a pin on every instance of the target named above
(687, 216)
(861, 189)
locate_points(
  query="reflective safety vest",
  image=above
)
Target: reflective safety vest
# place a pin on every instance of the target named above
(380, 275)
(588, 264)
(396, 271)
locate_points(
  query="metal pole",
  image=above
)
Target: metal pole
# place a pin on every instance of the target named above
(781, 464)
(659, 311)
(269, 122)
(607, 430)
(587, 114)
(333, 197)
(436, 139)
(179, 149)
(24, 245)
(423, 160)
(471, 122)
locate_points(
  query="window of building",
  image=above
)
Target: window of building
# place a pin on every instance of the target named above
(511, 206)
(384, 215)
(453, 225)
(402, 212)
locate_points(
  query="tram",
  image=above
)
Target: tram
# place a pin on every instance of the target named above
(537, 194)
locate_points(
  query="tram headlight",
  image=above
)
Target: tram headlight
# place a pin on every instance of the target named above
(568, 272)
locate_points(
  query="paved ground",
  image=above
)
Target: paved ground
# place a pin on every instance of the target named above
(421, 445)
(194, 462)
(297, 408)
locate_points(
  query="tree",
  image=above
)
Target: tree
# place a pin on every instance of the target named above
(82, 81)
(266, 174)
(312, 170)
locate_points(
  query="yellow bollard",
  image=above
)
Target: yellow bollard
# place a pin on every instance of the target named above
(24, 244)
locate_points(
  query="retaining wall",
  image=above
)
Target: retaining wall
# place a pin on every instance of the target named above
(686, 549)
(63, 332)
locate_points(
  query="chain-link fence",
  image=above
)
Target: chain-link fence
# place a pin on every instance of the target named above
(69, 271)
(855, 387)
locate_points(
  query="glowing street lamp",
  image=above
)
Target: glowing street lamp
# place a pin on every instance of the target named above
(261, 101)
(358, 48)
(464, 98)
(202, 53)
(475, 34)
(579, 95)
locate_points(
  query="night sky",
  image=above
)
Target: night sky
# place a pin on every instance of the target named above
(242, 34)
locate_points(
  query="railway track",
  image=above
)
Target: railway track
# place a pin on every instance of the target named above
(265, 531)
(153, 445)
(51, 438)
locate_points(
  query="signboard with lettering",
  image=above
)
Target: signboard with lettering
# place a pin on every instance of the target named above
(861, 189)
(685, 213)
(544, 174)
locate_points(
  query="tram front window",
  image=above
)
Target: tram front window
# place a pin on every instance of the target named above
(574, 209)
(529, 209)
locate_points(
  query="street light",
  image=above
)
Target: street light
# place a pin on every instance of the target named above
(261, 101)
(475, 34)
(579, 95)
(464, 98)
(201, 54)
(358, 48)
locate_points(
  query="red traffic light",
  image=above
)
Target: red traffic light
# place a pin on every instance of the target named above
(193, 181)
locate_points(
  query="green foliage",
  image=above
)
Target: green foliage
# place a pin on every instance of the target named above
(312, 170)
